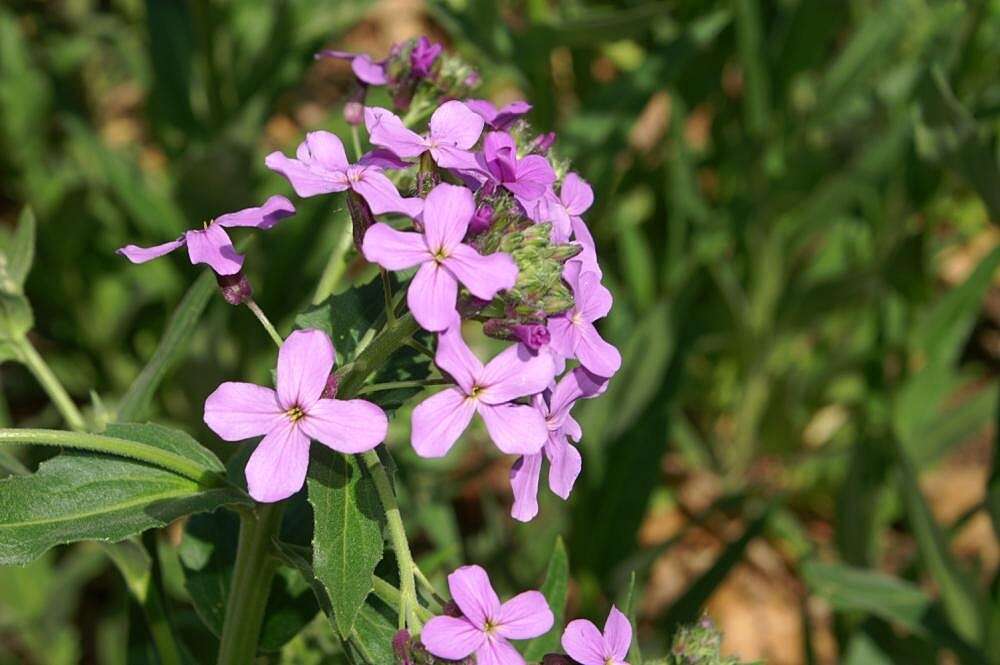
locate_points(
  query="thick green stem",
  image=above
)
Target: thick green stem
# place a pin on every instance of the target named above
(395, 334)
(250, 586)
(265, 322)
(50, 383)
(408, 603)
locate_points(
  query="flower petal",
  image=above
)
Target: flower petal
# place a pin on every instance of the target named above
(524, 483)
(304, 180)
(439, 420)
(237, 411)
(277, 468)
(524, 616)
(351, 426)
(213, 247)
(516, 429)
(453, 123)
(471, 590)
(274, 210)
(576, 194)
(563, 336)
(368, 71)
(578, 384)
(456, 358)
(384, 159)
(305, 361)
(565, 464)
(484, 276)
(387, 130)
(449, 157)
(447, 211)
(584, 643)
(432, 297)
(509, 113)
(588, 257)
(499, 157)
(617, 634)
(382, 196)
(534, 175)
(137, 254)
(592, 298)
(326, 150)
(515, 372)
(483, 108)
(451, 638)
(498, 652)
(392, 249)
(595, 354)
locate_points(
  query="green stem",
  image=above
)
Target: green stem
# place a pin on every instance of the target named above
(265, 322)
(51, 384)
(408, 603)
(396, 385)
(335, 266)
(428, 587)
(390, 595)
(251, 585)
(109, 444)
(390, 313)
(356, 138)
(395, 334)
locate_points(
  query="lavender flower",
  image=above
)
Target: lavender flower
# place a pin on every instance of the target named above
(526, 178)
(486, 625)
(573, 332)
(423, 56)
(211, 245)
(321, 167)
(292, 415)
(443, 259)
(488, 390)
(454, 129)
(588, 646)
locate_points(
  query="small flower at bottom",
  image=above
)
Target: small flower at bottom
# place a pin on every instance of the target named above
(486, 625)
(588, 646)
(291, 416)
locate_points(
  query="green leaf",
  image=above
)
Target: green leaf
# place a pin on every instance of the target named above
(80, 496)
(347, 537)
(373, 634)
(16, 318)
(346, 317)
(554, 588)
(173, 345)
(18, 255)
(176, 441)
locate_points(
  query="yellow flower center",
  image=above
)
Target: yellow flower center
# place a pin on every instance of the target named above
(295, 414)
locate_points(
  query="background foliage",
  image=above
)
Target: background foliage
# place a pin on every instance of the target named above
(794, 207)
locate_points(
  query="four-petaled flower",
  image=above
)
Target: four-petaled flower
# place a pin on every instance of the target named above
(443, 259)
(573, 334)
(488, 390)
(321, 167)
(486, 625)
(453, 130)
(564, 460)
(588, 646)
(291, 416)
(211, 245)
(498, 119)
(527, 178)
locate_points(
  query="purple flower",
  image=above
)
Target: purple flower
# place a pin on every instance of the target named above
(575, 198)
(291, 416)
(526, 178)
(588, 646)
(367, 71)
(321, 167)
(498, 119)
(573, 332)
(564, 460)
(516, 429)
(443, 259)
(486, 624)
(453, 130)
(211, 245)
(422, 57)
(532, 335)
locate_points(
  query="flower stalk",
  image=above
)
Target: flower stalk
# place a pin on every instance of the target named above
(51, 384)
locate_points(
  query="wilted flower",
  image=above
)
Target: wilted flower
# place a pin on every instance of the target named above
(291, 416)
(488, 390)
(486, 624)
(211, 245)
(443, 259)
(588, 646)
(453, 130)
(573, 332)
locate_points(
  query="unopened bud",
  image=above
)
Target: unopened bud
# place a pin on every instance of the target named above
(482, 220)
(558, 301)
(542, 143)
(354, 108)
(428, 176)
(401, 646)
(532, 335)
(330, 389)
(361, 216)
(563, 253)
(235, 289)
(472, 79)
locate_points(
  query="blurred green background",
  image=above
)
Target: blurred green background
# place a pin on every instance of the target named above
(795, 210)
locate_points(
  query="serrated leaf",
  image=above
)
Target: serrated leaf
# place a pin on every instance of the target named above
(82, 496)
(347, 536)
(18, 255)
(554, 588)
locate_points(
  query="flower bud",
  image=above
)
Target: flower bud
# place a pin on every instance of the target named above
(423, 56)
(354, 108)
(401, 646)
(330, 389)
(563, 253)
(542, 143)
(532, 335)
(361, 216)
(481, 220)
(427, 176)
(235, 289)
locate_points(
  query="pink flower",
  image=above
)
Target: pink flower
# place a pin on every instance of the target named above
(527, 178)
(588, 646)
(565, 462)
(516, 429)
(291, 416)
(211, 245)
(498, 118)
(321, 167)
(573, 332)
(486, 625)
(575, 198)
(443, 259)
(453, 130)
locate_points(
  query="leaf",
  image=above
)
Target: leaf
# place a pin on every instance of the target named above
(176, 441)
(373, 634)
(346, 316)
(347, 536)
(208, 555)
(171, 348)
(81, 496)
(554, 588)
(18, 255)
(16, 318)
(171, 45)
